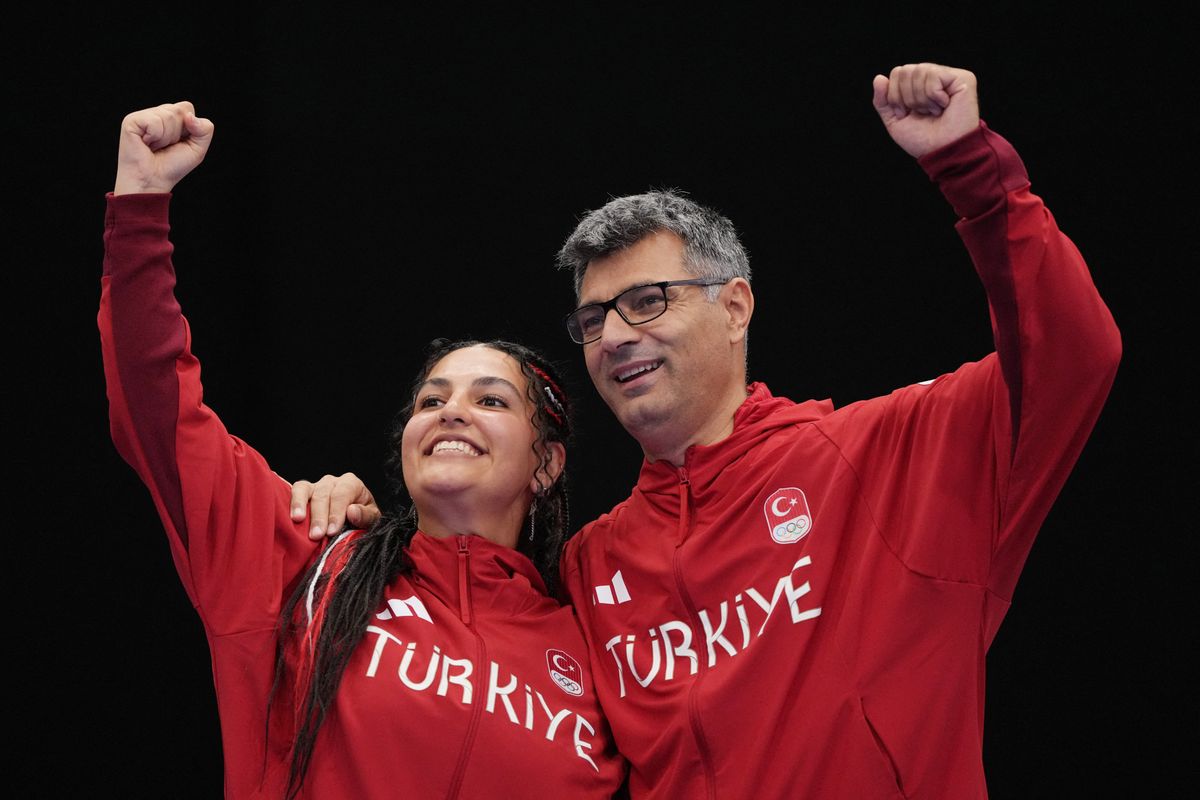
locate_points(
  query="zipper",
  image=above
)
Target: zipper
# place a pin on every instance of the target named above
(464, 580)
(685, 505)
(685, 525)
(465, 610)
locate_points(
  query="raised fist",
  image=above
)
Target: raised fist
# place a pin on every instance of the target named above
(926, 106)
(159, 146)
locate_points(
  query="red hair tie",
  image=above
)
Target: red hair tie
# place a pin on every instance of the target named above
(551, 388)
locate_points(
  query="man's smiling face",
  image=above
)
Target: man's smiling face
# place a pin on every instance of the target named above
(664, 379)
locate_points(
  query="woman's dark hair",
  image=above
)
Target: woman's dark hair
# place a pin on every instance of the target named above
(328, 611)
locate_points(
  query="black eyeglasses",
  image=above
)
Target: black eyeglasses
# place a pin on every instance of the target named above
(636, 306)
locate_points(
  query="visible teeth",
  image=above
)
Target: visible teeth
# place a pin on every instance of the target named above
(456, 446)
(633, 373)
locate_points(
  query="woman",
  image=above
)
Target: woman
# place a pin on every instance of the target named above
(422, 658)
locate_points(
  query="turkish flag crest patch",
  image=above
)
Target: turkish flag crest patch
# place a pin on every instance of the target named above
(788, 517)
(565, 671)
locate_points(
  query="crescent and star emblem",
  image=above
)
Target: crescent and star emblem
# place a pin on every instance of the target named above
(775, 506)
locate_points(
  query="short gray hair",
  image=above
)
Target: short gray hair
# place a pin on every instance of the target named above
(712, 248)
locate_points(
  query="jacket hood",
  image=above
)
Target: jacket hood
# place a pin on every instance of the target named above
(760, 415)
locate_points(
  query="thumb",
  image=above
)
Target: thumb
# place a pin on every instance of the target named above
(879, 90)
(199, 132)
(361, 516)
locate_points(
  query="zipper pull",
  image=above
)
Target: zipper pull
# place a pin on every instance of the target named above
(684, 521)
(464, 583)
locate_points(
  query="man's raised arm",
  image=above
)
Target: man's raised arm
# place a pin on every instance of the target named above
(989, 446)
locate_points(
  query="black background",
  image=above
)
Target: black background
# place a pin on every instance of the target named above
(382, 177)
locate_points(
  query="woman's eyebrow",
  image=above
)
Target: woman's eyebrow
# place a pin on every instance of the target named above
(481, 382)
(493, 380)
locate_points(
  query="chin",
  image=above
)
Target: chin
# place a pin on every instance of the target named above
(442, 485)
(638, 416)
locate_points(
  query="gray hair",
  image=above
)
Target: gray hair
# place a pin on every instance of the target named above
(711, 245)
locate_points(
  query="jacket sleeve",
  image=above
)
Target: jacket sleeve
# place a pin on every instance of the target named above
(226, 513)
(960, 472)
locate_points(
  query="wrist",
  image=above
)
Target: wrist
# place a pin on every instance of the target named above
(130, 186)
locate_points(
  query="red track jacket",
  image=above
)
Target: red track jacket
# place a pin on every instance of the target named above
(803, 609)
(469, 683)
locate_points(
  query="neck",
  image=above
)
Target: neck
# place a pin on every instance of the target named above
(455, 516)
(672, 445)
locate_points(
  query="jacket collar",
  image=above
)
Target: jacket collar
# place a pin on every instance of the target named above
(500, 577)
(759, 416)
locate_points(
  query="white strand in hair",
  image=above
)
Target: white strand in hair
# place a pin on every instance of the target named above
(553, 399)
(312, 586)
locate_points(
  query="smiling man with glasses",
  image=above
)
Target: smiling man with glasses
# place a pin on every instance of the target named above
(797, 600)
(671, 363)
(829, 578)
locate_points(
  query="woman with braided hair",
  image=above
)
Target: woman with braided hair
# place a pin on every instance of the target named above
(424, 657)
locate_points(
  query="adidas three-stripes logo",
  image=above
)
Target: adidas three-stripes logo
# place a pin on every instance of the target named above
(615, 593)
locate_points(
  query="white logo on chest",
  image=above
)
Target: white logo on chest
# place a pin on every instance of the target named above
(612, 594)
(409, 607)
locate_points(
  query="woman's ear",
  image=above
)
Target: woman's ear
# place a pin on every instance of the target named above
(549, 470)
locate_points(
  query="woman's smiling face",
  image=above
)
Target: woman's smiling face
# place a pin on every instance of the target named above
(470, 438)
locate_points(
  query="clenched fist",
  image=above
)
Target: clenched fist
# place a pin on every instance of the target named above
(159, 146)
(926, 106)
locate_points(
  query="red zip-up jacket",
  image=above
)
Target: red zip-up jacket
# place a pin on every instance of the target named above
(803, 609)
(470, 682)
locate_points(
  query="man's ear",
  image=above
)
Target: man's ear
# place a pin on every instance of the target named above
(738, 301)
(547, 472)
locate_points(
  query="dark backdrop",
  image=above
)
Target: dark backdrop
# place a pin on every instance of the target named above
(382, 177)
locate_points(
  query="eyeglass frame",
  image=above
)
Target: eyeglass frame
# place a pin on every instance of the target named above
(611, 303)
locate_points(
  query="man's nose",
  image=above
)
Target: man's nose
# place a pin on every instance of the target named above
(616, 331)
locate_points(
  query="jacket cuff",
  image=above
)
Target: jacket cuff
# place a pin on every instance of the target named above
(975, 171)
(127, 208)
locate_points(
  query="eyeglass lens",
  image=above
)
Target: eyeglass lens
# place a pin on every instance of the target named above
(637, 305)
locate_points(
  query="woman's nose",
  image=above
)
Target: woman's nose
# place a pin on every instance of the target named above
(455, 410)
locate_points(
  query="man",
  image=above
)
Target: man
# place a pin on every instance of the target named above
(797, 601)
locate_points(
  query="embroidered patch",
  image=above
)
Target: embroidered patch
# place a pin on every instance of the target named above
(565, 671)
(788, 517)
